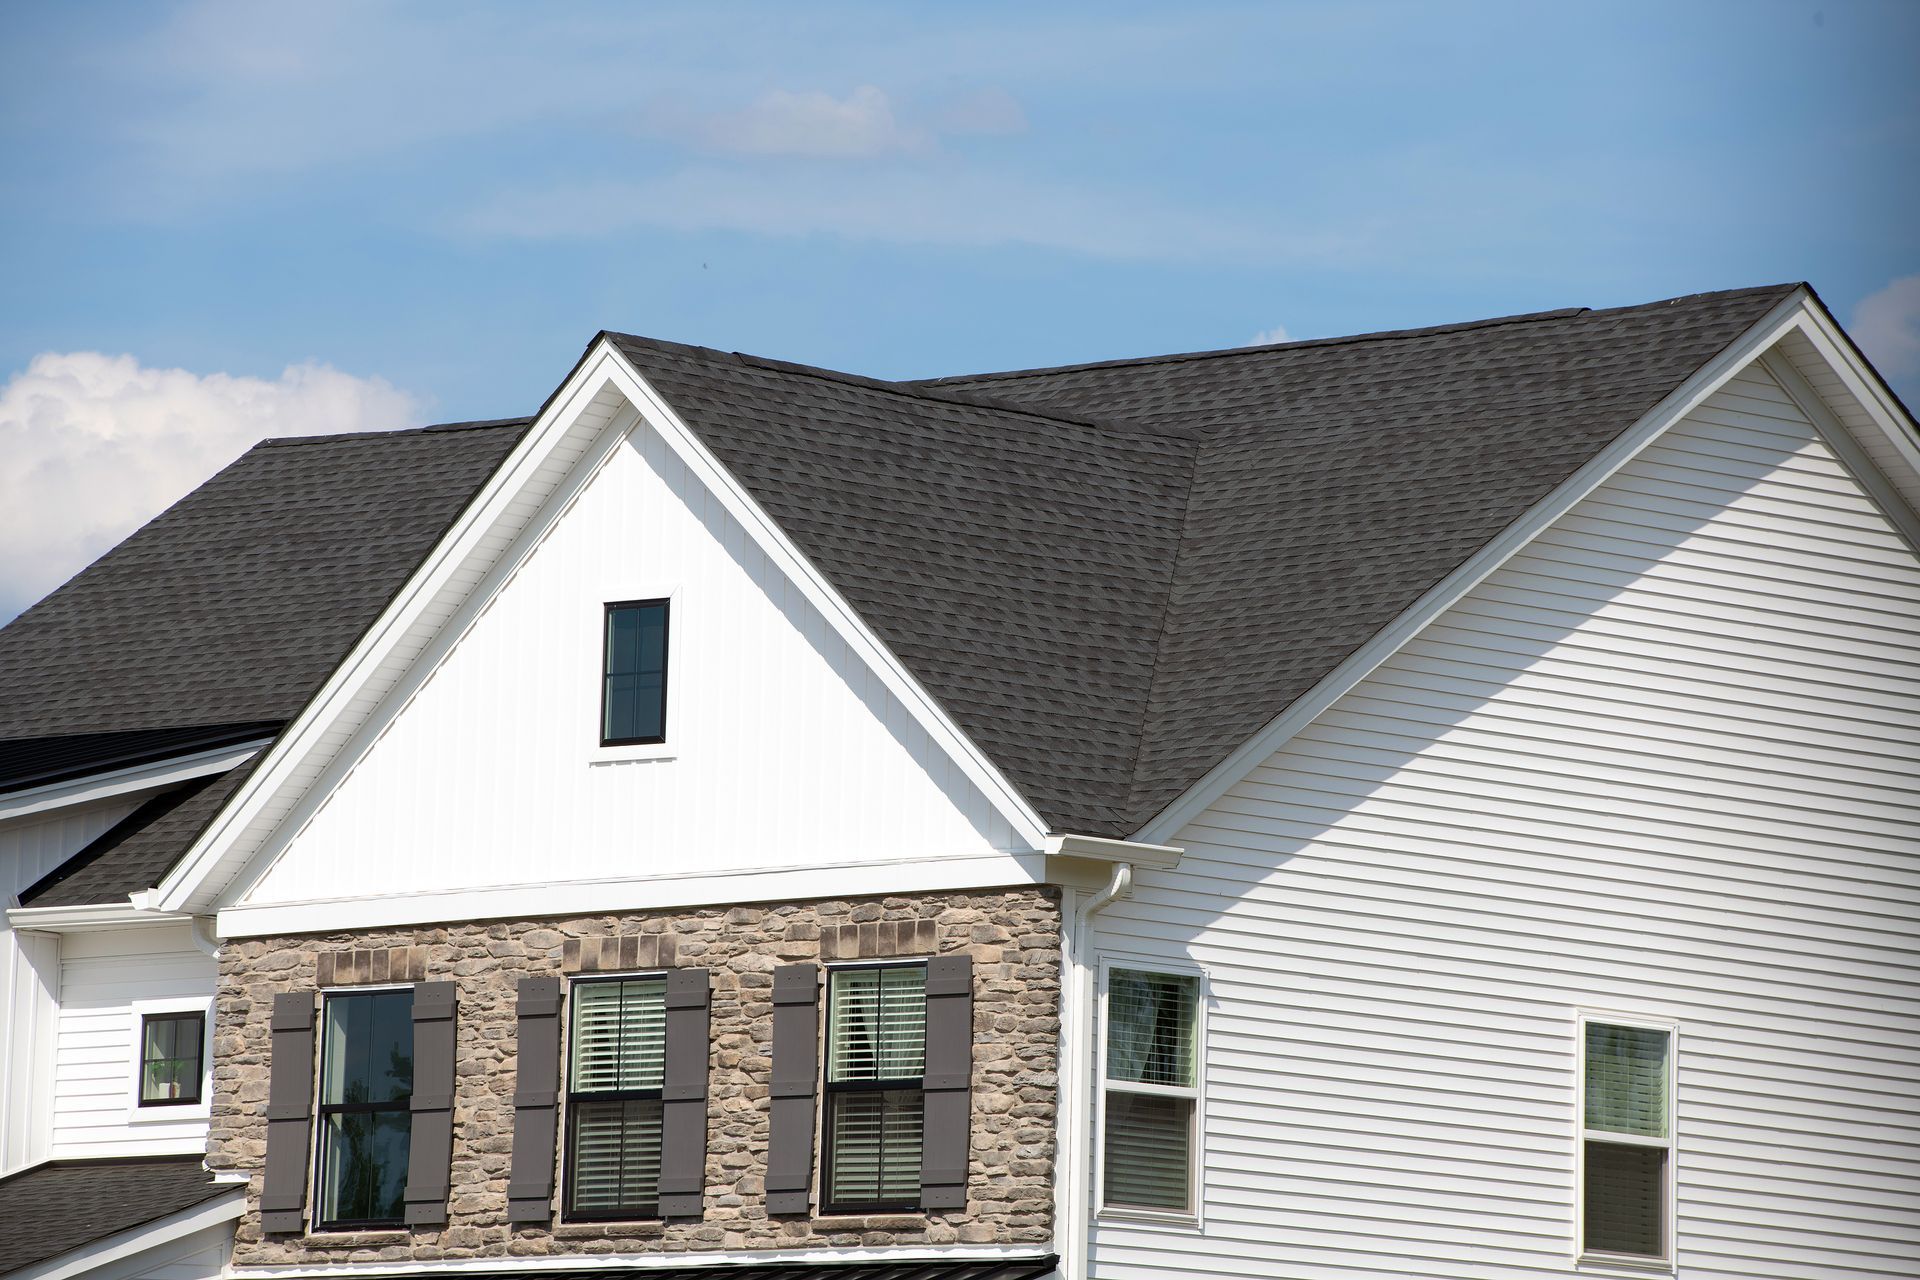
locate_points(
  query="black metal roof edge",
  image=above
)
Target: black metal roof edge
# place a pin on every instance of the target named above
(337, 437)
(152, 746)
(1383, 335)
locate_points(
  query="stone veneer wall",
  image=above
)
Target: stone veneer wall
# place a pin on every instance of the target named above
(1013, 936)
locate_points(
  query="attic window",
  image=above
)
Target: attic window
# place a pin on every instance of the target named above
(633, 701)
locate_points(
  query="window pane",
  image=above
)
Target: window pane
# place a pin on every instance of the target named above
(878, 1027)
(1149, 1145)
(636, 676)
(613, 1159)
(1626, 1199)
(1150, 1024)
(171, 1057)
(619, 1035)
(874, 1147)
(159, 1038)
(1627, 1080)
(363, 1165)
(368, 1048)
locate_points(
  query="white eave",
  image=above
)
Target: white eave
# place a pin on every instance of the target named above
(135, 778)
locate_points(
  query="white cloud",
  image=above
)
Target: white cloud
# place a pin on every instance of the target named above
(96, 445)
(1887, 327)
(1267, 337)
(785, 123)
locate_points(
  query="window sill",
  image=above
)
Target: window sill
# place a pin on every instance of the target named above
(169, 1113)
(1624, 1262)
(1158, 1217)
(633, 754)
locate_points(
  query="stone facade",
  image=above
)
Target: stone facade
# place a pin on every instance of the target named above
(1013, 936)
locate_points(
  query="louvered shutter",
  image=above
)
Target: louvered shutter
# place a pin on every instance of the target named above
(283, 1197)
(536, 1101)
(796, 1035)
(949, 1054)
(430, 1148)
(683, 1121)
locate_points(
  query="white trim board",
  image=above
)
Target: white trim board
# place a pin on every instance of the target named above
(128, 1244)
(503, 525)
(1793, 312)
(119, 782)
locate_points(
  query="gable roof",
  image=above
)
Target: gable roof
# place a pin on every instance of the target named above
(55, 1208)
(1110, 576)
(135, 852)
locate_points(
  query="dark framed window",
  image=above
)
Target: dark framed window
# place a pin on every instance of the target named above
(171, 1048)
(366, 1092)
(875, 1094)
(615, 1071)
(633, 688)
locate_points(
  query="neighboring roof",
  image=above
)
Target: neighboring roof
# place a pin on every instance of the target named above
(804, 1269)
(236, 603)
(1112, 597)
(54, 1209)
(138, 851)
(39, 762)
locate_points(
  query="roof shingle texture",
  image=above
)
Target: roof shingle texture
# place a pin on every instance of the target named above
(136, 852)
(1113, 590)
(238, 601)
(53, 1209)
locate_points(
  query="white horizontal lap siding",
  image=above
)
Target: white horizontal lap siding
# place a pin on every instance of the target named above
(1662, 762)
(101, 976)
(786, 749)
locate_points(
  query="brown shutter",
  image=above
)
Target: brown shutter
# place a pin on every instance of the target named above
(536, 1101)
(431, 1151)
(683, 1120)
(283, 1196)
(796, 1066)
(943, 1153)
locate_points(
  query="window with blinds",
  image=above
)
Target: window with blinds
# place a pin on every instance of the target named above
(875, 1105)
(1626, 1138)
(614, 1073)
(1152, 1096)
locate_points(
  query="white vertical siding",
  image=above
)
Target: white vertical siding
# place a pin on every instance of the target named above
(101, 976)
(787, 750)
(1661, 763)
(32, 846)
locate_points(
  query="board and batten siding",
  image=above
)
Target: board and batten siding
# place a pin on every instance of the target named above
(102, 975)
(784, 748)
(1661, 763)
(30, 847)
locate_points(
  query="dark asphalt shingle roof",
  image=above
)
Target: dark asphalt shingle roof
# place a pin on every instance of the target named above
(1110, 575)
(136, 852)
(236, 603)
(1109, 600)
(40, 762)
(53, 1209)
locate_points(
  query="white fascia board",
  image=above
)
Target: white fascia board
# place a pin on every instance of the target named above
(1161, 857)
(1791, 312)
(840, 615)
(83, 919)
(651, 893)
(128, 1244)
(193, 882)
(1845, 446)
(721, 1261)
(1865, 385)
(119, 782)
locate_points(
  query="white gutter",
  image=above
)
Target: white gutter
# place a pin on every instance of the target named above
(75, 919)
(1072, 1233)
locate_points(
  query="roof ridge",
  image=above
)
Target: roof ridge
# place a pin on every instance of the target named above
(1382, 335)
(478, 424)
(914, 390)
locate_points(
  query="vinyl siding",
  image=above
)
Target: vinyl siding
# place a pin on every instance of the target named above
(492, 774)
(1661, 763)
(101, 976)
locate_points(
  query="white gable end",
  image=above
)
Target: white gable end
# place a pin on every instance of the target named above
(1661, 763)
(785, 749)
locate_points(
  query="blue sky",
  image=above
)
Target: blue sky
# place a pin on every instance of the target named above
(424, 211)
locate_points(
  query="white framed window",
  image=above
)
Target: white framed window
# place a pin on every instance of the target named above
(170, 1072)
(1153, 1039)
(638, 665)
(1627, 1141)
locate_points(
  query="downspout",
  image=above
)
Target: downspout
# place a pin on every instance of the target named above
(1076, 1083)
(200, 928)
